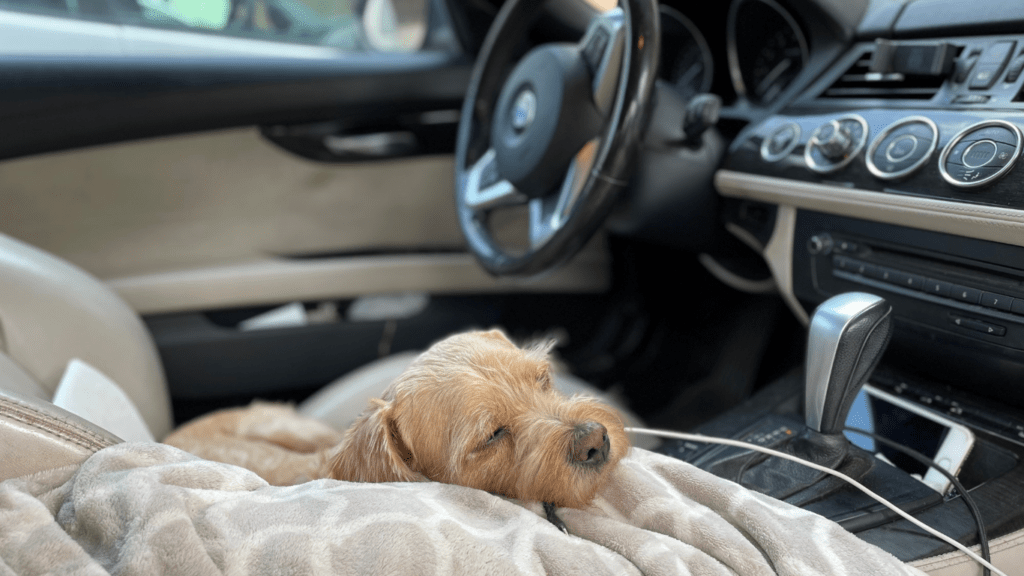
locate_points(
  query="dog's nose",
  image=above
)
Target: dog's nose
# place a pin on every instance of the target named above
(589, 444)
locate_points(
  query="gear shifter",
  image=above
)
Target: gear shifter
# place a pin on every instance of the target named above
(847, 336)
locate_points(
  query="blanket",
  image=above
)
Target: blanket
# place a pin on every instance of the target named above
(146, 508)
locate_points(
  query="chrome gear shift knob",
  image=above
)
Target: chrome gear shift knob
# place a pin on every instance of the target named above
(848, 334)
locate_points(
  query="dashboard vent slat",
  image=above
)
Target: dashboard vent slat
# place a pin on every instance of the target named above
(860, 82)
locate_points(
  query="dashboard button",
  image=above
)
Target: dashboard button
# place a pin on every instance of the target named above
(966, 294)
(878, 273)
(956, 152)
(780, 142)
(847, 246)
(984, 76)
(971, 98)
(835, 144)
(1015, 69)
(978, 325)
(964, 175)
(902, 148)
(1017, 306)
(887, 274)
(938, 287)
(997, 301)
(1004, 153)
(997, 134)
(980, 153)
(863, 268)
(906, 280)
(819, 244)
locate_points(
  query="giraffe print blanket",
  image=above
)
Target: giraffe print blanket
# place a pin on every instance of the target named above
(145, 508)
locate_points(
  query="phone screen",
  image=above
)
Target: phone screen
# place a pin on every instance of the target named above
(897, 424)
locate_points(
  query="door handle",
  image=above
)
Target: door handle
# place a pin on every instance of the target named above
(370, 146)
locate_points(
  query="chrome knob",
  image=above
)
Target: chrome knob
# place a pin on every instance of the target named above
(834, 140)
(847, 336)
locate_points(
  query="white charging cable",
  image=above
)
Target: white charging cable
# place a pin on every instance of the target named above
(858, 485)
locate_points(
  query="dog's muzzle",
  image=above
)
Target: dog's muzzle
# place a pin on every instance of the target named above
(590, 445)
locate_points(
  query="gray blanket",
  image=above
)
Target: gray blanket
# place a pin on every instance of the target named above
(141, 508)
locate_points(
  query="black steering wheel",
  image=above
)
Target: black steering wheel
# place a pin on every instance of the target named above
(560, 133)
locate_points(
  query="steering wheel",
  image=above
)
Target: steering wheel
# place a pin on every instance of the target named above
(560, 133)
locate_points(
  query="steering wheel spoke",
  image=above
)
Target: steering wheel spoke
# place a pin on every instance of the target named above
(602, 47)
(486, 189)
(549, 213)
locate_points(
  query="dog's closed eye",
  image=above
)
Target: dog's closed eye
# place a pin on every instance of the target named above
(500, 433)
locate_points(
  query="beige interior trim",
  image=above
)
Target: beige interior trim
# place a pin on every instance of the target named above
(36, 436)
(779, 256)
(1007, 555)
(971, 220)
(220, 198)
(275, 281)
(14, 379)
(52, 311)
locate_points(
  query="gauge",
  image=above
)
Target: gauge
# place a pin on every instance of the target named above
(686, 61)
(767, 49)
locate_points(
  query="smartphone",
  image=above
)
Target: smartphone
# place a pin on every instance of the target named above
(940, 439)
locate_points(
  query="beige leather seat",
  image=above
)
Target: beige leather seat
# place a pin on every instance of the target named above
(52, 312)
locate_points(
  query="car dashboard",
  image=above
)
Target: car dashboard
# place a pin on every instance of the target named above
(888, 161)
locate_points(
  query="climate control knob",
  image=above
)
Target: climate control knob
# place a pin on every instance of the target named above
(836, 143)
(834, 140)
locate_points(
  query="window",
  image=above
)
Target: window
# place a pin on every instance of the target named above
(349, 25)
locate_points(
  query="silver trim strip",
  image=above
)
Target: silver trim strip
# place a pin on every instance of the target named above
(885, 134)
(993, 223)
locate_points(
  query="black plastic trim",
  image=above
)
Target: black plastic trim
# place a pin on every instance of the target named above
(55, 103)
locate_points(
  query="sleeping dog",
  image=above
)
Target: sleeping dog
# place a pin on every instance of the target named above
(473, 410)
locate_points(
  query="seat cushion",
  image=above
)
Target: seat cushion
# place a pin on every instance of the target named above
(52, 311)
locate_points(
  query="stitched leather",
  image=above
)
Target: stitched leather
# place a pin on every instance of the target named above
(37, 435)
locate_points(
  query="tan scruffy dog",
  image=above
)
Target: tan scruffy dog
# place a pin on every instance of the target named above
(473, 410)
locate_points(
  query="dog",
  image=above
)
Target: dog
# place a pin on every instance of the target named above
(473, 410)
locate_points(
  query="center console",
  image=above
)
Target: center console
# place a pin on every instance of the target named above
(898, 174)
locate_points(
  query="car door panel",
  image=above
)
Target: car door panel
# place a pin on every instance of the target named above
(225, 219)
(193, 227)
(205, 176)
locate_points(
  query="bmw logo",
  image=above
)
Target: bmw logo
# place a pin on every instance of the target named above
(524, 110)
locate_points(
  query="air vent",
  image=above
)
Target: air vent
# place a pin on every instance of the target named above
(860, 82)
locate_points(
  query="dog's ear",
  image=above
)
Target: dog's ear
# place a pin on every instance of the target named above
(373, 450)
(497, 334)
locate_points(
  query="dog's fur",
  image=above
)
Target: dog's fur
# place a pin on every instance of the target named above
(473, 410)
